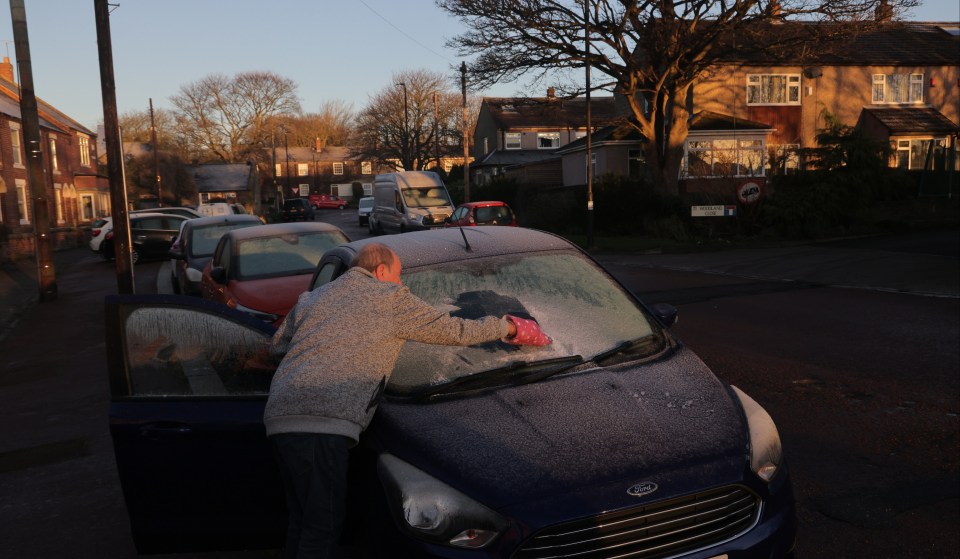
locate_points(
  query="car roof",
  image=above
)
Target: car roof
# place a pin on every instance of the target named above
(486, 203)
(282, 229)
(225, 218)
(436, 246)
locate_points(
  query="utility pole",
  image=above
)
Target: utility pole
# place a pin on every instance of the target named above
(436, 127)
(111, 128)
(466, 139)
(586, 41)
(156, 155)
(30, 119)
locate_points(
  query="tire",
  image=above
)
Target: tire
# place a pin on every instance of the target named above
(106, 251)
(135, 255)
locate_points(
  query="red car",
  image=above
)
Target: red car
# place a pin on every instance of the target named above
(262, 270)
(319, 201)
(482, 213)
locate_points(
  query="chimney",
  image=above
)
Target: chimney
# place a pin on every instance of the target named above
(6, 70)
(551, 93)
(774, 10)
(884, 13)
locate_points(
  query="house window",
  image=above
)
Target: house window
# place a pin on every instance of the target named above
(15, 141)
(913, 154)
(366, 168)
(22, 201)
(548, 140)
(84, 143)
(278, 171)
(86, 207)
(897, 88)
(635, 163)
(53, 156)
(724, 157)
(773, 89)
(301, 169)
(338, 168)
(486, 146)
(58, 193)
(784, 159)
(511, 140)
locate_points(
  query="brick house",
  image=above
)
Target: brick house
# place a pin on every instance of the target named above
(520, 136)
(300, 171)
(76, 194)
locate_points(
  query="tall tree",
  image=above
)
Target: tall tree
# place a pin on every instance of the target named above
(226, 119)
(648, 52)
(408, 122)
(135, 127)
(332, 125)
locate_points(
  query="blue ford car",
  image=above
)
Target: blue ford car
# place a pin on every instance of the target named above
(614, 441)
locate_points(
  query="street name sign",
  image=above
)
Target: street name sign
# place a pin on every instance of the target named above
(713, 211)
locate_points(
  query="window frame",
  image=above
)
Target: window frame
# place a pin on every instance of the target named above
(338, 168)
(553, 136)
(17, 145)
(508, 138)
(83, 142)
(54, 165)
(792, 83)
(718, 147)
(23, 201)
(303, 169)
(913, 89)
(366, 168)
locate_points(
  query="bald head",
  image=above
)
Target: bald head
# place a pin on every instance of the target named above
(380, 261)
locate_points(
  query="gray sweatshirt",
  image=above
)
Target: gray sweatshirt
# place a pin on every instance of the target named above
(339, 345)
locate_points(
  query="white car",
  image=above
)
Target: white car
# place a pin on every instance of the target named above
(98, 232)
(365, 206)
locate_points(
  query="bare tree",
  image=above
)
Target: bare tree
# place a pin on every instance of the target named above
(648, 52)
(135, 127)
(406, 125)
(332, 125)
(226, 118)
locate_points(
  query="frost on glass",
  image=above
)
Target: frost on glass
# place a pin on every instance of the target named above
(178, 351)
(576, 304)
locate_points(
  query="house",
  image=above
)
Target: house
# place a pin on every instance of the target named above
(520, 136)
(76, 194)
(301, 171)
(900, 83)
(234, 183)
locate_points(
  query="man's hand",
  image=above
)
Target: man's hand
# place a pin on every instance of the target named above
(526, 332)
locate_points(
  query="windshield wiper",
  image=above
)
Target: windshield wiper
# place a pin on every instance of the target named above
(513, 373)
(650, 342)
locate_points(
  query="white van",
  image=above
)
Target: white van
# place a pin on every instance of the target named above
(409, 201)
(215, 208)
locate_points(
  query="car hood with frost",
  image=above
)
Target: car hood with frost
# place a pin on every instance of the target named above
(584, 437)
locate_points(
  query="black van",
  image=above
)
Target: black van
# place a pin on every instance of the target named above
(295, 209)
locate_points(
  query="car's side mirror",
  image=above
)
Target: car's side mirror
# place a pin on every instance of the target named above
(176, 254)
(667, 313)
(218, 274)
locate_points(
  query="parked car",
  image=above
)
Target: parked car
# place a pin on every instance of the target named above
(175, 210)
(320, 201)
(297, 209)
(482, 213)
(151, 235)
(408, 201)
(194, 246)
(614, 441)
(215, 208)
(364, 207)
(98, 232)
(262, 270)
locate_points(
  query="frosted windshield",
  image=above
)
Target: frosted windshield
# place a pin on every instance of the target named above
(426, 197)
(575, 302)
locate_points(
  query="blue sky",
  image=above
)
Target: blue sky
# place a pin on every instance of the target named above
(343, 50)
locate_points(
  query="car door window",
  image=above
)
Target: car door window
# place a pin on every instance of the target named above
(330, 269)
(191, 349)
(148, 224)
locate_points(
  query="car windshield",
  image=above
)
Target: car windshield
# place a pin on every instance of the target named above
(364, 203)
(283, 255)
(203, 240)
(576, 303)
(425, 197)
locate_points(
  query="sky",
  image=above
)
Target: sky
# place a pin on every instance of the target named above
(334, 50)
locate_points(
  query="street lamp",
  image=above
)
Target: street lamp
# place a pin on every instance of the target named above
(406, 133)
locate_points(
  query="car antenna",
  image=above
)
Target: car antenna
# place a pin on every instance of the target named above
(465, 241)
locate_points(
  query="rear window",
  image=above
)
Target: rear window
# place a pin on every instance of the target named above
(284, 255)
(203, 240)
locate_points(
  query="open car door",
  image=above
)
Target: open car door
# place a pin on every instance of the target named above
(189, 379)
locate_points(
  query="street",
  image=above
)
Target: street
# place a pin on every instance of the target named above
(861, 382)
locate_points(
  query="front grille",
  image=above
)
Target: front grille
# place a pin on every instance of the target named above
(662, 529)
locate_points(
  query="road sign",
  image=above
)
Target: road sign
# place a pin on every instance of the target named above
(713, 211)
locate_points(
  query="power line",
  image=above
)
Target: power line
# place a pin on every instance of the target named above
(404, 33)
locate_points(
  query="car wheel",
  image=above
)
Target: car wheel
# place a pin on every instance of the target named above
(106, 251)
(135, 255)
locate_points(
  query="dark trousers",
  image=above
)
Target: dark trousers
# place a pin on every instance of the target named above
(314, 472)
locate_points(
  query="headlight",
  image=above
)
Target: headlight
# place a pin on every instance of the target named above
(433, 510)
(766, 454)
(416, 218)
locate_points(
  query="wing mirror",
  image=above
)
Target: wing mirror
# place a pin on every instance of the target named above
(667, 313)
(218, 274)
